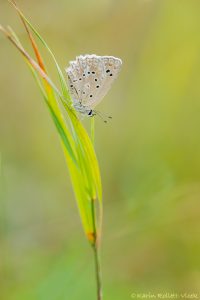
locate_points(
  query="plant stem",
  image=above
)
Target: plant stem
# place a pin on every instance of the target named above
(92, 130)
(96, 255)
(95, 245)
(98, 273)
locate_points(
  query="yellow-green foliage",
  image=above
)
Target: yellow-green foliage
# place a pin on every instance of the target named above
(77, 146)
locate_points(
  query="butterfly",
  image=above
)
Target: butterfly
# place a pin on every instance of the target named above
(89, 79)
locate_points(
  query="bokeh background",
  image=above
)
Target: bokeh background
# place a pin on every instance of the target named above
(149, 154)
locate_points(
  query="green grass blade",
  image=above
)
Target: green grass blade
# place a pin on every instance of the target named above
(89, 153)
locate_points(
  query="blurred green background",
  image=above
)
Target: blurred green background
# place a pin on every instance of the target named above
(149, 154)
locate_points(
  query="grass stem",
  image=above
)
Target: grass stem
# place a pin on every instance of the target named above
(92, 129)
(95, 247)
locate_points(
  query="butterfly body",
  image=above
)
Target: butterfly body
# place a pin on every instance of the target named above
(89, 79)
(83, 109)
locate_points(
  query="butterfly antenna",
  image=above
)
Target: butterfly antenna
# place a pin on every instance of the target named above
(103, 116)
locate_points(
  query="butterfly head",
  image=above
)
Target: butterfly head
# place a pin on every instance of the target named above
(91, 113)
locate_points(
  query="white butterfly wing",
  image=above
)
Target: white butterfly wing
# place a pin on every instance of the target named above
(90, 78)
